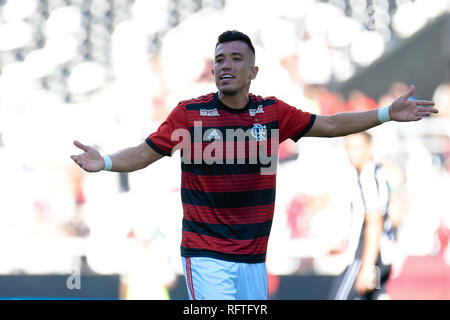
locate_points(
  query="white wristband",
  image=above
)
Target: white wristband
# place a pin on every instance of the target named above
(383, 114)
(108, 163)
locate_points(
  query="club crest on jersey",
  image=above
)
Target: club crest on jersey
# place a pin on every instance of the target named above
(259, 132)
(209, 112)
(253, 112)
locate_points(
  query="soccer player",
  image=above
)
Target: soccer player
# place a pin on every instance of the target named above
(371, 235)
(228, 196)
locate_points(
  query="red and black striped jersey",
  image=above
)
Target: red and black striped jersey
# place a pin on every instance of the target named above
(228, 201)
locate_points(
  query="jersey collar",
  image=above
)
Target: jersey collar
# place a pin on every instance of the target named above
(231, 110)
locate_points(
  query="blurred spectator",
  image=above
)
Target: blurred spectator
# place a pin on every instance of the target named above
(77, 227)
(446, 154)
(359, 101)
(301, 211)
(206, 75)
(329, 102)
(370, 235)
(145, 279)
(395, 88)
(398, 88)
(443, 235)
(442, 99)
(398, 195)
(315, 64)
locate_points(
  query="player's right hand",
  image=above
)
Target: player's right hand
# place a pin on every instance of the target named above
(91, 160)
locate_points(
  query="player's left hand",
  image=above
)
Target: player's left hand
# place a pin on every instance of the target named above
(405, 109)
(366, 280)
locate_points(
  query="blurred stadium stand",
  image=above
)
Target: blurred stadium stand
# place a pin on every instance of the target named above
(408, 62)
(64, 46)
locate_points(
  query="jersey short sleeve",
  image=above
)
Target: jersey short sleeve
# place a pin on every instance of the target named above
(293, 123)
(161, 140)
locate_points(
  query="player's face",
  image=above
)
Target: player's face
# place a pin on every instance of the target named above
(233, 67)
(358, 150)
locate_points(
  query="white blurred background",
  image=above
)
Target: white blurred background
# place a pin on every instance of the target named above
(107, 72)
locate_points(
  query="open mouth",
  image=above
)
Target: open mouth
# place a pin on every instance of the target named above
(226, 77)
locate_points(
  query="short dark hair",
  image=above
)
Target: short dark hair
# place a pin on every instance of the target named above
(235, 35)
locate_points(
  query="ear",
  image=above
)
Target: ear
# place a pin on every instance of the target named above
(253, 73)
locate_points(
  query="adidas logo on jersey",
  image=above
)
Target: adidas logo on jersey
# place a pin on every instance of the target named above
(253, 112)
(209, 112)
(214, 135)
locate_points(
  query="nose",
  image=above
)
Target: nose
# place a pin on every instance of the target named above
(226, 64)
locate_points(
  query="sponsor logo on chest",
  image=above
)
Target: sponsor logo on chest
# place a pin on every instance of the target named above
(253, 112)
(209, 112)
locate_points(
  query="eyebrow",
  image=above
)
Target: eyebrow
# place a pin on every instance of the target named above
(233, 54)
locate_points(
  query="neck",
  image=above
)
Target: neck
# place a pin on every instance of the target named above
(361, 165)
(358, 169)
(236, 101)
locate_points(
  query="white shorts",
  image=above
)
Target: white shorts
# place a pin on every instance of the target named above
(213, 279)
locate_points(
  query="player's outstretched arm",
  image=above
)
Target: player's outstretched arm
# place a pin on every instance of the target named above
(126, 160)
(402, 109)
